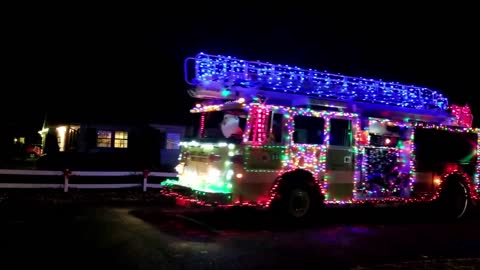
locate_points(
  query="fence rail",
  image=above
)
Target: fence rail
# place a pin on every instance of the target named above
(67, 176)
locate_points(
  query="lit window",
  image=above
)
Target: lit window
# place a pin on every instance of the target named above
(173, 141)
(104, 138)
(121, 139)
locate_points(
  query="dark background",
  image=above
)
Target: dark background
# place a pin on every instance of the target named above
(100, 63)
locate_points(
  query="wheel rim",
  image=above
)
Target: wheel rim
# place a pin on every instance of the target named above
(299, 203)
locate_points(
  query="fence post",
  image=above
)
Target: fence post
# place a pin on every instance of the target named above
(66, 176)
(145, 179)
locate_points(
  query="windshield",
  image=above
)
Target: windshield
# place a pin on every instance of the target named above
(220, 125)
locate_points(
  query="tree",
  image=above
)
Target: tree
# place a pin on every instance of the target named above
(51, 143)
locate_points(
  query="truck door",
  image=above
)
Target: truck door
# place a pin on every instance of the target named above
(340, 160)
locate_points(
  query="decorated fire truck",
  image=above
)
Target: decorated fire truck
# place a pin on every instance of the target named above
(296, 140)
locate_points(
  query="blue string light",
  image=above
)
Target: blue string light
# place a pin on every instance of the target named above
(231, 71)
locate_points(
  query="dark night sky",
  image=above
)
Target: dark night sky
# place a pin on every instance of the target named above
(127, 66)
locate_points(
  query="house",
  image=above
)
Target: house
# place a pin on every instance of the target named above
(111, 145)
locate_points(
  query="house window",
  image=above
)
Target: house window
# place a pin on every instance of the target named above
(121, 139)
(108, 139)
(104, 138)
(173, 141)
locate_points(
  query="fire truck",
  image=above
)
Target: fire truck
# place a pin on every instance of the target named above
(297, 140)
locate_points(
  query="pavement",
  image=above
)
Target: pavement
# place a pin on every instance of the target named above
(440, 263)
(162, 236)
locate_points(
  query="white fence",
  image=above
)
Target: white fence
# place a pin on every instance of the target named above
(68, 174)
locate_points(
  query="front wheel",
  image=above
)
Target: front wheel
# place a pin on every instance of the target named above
(298, 203)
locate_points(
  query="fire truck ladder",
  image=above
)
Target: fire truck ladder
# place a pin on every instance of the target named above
(218, 74)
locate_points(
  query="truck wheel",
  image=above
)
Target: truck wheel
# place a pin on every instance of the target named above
(454, 200)
(298, 203)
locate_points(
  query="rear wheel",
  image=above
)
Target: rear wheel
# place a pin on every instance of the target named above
(454, 200)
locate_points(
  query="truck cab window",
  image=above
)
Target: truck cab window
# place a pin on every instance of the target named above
(308, 130)
(275, 126)
(340, 132)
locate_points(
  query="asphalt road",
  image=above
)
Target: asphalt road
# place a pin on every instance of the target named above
(80, 237)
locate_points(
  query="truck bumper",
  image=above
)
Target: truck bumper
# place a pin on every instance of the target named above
(185, 196)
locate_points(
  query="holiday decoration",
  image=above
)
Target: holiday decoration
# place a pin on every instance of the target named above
(463, 115)
(382, 150)
(230, 125)
(212, 70)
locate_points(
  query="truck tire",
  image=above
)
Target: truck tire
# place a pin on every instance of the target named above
(454, 200)
(297, 203)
